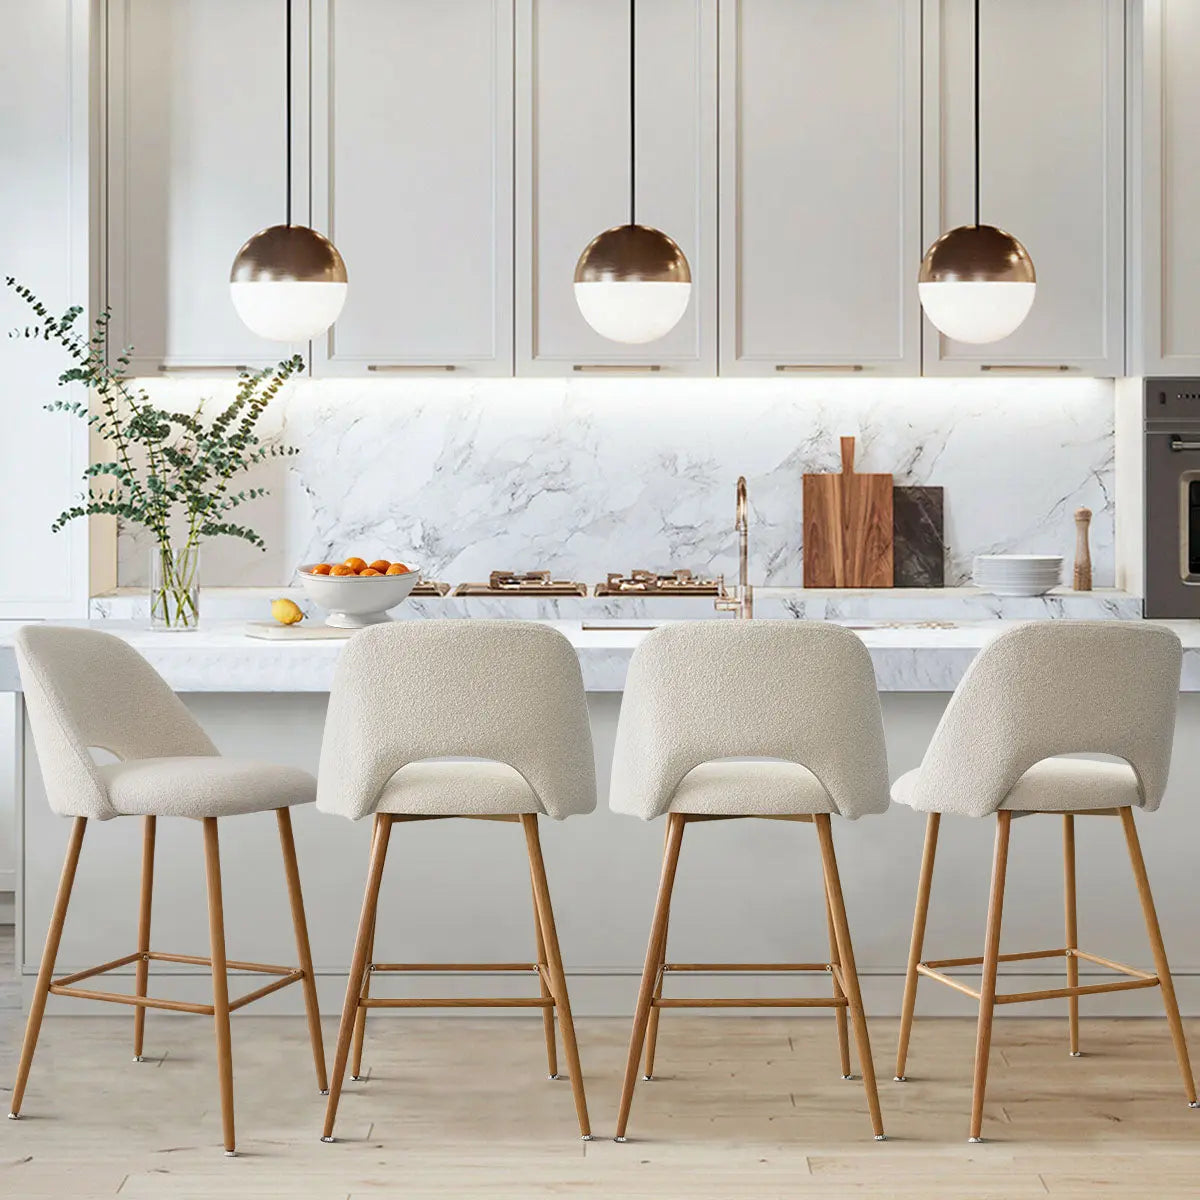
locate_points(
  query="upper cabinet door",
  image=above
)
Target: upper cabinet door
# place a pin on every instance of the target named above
(1165, 332)
(412, 178)
(1052, 171)
(196, 164)
(820, 186)
(573, 170)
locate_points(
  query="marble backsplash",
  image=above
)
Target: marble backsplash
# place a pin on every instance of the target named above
(590, 476)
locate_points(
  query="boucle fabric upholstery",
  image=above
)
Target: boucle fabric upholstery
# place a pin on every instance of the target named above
(507, 691)
(756, 789)
(1057, 785)
(802, 692)
(84, 688)
(1047, 689)
(440, 788)
(203, 787)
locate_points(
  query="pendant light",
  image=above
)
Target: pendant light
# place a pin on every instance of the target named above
(976, 282)
(632, 283)
(288, 282)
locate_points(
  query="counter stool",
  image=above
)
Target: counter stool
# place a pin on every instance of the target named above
(699, 696)
(509, 696)
(1031, 696)
(89, 690)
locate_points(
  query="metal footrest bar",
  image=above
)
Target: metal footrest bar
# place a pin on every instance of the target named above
(750, 1002)
(63, 986)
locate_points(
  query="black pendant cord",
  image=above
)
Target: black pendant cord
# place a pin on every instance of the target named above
(287, 4)
(977, 113)
(632, 113)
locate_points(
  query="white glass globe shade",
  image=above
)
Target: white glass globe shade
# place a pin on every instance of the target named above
(976, 312)
(632, 311)
(288, 310)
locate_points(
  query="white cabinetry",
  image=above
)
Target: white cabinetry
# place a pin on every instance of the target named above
(573, 170)
(1165, 328)
(196, 163)
(412, 178)
(1052, 169)
(820, 186)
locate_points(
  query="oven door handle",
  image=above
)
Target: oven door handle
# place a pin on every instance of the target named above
(1178, 444)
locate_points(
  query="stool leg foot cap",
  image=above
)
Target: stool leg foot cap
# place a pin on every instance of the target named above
(328, 1139)
(555, 1076)
(975, 1141)
(900, 1078)
(358, 1079)
(231, 1154)
(1076, 1054)
(139, 1058)
(647, 1078)
(585, 1137)
(881, 1137)
(14, 1116)
(621, 1139)
(847, 1076)
(1191, 1104)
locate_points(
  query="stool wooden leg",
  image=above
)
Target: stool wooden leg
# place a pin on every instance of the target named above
(291, 870)
(142, 973)
(656, 1013)
(917, 944)
(547, 1013)
(991, 960)
(358, 965)
(220, 978)
(1161, 967)
(1072, 926)
(839, 1012)
(41, 989)
(658, 928)
(360, 1017)
(841, 927)
(558, 978)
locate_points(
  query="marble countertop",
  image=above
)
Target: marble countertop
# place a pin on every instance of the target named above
(219, 657)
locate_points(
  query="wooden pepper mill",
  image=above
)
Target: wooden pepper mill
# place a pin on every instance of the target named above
(1083, 555)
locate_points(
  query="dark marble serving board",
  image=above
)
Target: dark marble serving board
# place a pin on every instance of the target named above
(919, 550)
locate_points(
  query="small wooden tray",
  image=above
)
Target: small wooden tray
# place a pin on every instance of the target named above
(305, 631)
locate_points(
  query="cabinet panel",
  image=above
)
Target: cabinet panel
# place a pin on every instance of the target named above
(412, 176)
(196, 163)
(820, 185)
(1051, 171)
(573, 169)
(1169, 343)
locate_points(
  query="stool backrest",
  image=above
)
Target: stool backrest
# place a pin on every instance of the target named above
(799, 691)
(506, 691)
(84, 688)
(1050, 688)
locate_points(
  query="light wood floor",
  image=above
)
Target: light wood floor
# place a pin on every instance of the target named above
(460, 1107)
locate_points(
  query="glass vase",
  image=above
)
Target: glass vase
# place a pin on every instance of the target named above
(175, 586)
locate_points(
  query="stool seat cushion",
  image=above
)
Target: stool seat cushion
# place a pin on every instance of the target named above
(457, 789)
(738, 787)
(203, 786)
(1054, 785)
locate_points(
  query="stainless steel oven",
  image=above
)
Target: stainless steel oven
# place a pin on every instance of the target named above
(1172, 534)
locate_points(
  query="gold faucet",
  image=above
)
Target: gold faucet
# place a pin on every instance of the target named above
(742, 601)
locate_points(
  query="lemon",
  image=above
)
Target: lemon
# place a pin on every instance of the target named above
(286, 612)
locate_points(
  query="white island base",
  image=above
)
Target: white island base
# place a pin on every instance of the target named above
(747, 890)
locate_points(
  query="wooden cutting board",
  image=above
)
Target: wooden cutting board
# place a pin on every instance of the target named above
(847, 527)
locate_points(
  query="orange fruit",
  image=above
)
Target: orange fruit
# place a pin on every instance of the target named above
(321, 569)
(355, 564)
(397, 569)
(368, 571)
(381, 565)
(341, 569)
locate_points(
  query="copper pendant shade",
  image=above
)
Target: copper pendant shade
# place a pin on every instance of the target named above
(632, 282)
(632, 254)
(977, 254)
(976, 282)
(288, 282)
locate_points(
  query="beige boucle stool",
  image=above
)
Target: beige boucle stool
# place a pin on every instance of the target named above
(1035, 694)
(509, 696)
(89, 690)
(701, 698)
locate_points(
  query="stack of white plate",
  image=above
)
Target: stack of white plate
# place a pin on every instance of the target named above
(1018, 574)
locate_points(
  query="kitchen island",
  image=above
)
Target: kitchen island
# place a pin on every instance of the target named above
(746, 891)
